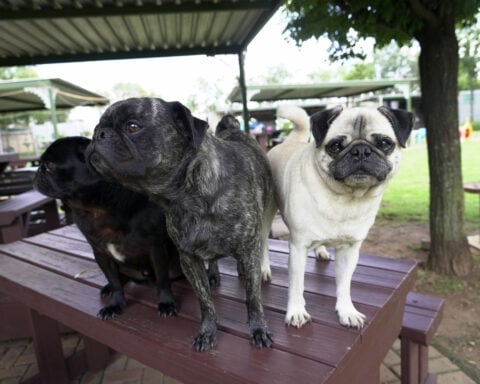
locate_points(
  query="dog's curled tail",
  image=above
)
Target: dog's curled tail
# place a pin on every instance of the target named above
(300, 118)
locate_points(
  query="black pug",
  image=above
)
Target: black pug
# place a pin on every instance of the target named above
(214, 191)
(126, 231)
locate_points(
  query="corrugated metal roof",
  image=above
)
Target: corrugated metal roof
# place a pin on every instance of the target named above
(46, 31)
(315, 91)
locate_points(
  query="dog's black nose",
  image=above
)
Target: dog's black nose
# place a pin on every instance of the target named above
(361, 151)
(100, 134)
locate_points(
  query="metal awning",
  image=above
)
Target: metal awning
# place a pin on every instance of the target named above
(54, 31)
(44, 31)
(315, 91)
(36, 94)
(52, 94)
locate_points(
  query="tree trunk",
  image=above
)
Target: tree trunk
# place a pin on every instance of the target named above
(449, 250)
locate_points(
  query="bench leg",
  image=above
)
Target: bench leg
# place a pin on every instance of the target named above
(48, 349)
(415, 363)
(13, 232)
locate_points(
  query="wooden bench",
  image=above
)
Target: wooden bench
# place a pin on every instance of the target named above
(15, 214)
(54, 275)
(420, 322)
(474, 187)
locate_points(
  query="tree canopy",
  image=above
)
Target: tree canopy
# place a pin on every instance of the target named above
(348, 22)
(432, 23)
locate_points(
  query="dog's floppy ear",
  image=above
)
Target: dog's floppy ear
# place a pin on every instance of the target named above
(187, 125)
(402, 122)
(228, 122)
(321, 121)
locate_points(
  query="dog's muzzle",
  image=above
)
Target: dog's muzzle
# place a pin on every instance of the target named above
(360, 161)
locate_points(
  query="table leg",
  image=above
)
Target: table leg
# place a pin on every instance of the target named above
(97, 354)
(48, 349)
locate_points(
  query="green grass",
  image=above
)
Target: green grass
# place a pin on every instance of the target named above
(407, 196)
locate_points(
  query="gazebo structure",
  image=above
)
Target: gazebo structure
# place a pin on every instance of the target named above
(52, 94)
(277, 92)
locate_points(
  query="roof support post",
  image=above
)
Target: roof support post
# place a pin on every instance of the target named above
(53, 112)
(243, 89)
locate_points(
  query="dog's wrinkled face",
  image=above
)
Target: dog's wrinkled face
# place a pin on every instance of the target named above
(140, 138)
(63, 170)
(360, 147)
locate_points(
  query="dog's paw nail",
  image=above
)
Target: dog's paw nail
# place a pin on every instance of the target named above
(298, 320)
(167, 309)
(353, 320)
(262, 338)
(109, 312)
(266, 276)
(204, 341)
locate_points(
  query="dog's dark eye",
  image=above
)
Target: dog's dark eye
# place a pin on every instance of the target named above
(335, 146)
(133, 126)
(50, 166)
(384, 143)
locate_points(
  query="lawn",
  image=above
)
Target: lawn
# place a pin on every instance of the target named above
(407, 196)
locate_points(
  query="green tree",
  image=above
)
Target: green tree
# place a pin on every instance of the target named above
(361, 71)
(18, 119)
(124, 90)
(394, 62)
(277, 74)
(11, 73)
(432, 24)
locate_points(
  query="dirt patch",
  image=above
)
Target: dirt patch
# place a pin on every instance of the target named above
(459, 332)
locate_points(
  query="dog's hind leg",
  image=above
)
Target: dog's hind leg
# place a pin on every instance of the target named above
(269, 215)
(260, 336)
(194, 269)
(213, 274)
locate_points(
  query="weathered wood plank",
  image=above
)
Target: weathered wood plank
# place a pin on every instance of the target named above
(75, 305)
(40, 272)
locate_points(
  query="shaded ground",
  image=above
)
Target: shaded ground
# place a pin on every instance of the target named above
(459, 332)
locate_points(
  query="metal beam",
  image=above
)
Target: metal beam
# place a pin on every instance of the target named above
(119, 55)
(129, 9)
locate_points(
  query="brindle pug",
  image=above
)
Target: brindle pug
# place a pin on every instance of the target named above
(126, 231)
(214, 192)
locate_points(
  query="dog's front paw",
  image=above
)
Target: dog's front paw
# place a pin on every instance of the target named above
(351, 318)
(109, 312)
(166, 309)
(297, 318)
(266, 274)
(261, 337)
(115, 306)
(205, 340)
(321, 253)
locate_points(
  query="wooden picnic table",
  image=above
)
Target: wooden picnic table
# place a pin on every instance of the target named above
(474, 187)
(55, 276)
(25, 161)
